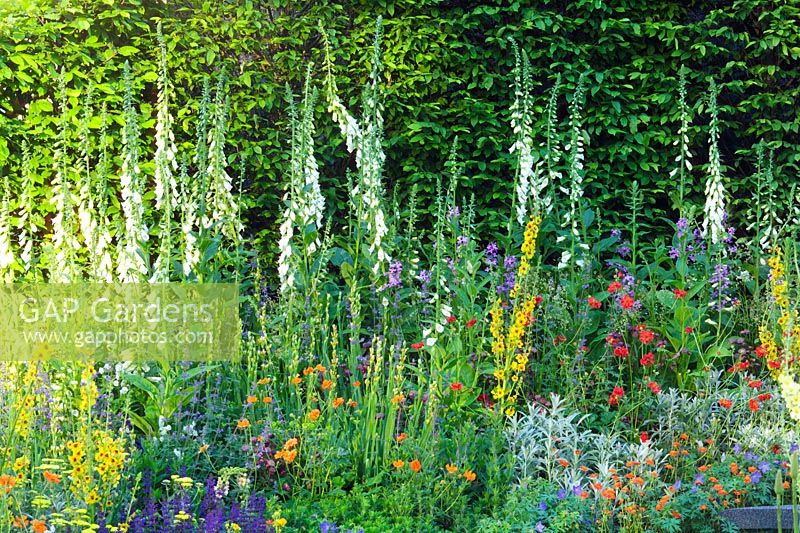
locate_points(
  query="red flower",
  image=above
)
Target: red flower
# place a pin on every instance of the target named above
(754, 383)
(486, 400)
(679, 294)
(614, 286)
(471, 322)
(726, 403)
(457, 386)
(646, 336)
(647, 359)
(451, 319)
(654, 387)
(761, 351)
(611, 339)
(774, 364)
(627, 302)
(538, 300)
(643, 437)
(764, 397)
(418, 345)
(688, 329)
(560, 339)
(621, 351)
(753, 404)
(616, 394)
(594, 303)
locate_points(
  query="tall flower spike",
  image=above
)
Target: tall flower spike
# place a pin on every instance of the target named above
(26, 224)
(100, 254)
(65, 267)
(165, 165)
(303, 199)
(714, 209)
(543, 177)
(131, 265)
(189, 252)
(220, 203)
(684, 155)
(521, 124)
(365, 140)
(6, 255)
(576, 172)
(86, 208)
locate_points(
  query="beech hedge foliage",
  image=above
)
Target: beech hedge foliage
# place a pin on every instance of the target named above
(447, 74)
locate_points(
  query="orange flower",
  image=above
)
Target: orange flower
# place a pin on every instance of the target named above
(263, 381)
(267, 399)
(314, 414)
(563, 462)
(289, 444)
(726, 403)
(38, 526)
(252, 399)
(338, 402)
(398, 398)
(351, 403)
(400, 438)
(308, 370)
(469, 475)
(296, 380)
(356, 384)
(398, 464)
(609, 494)
(320, 368)
(327, 384)
(21, 521)
(7, 482)
(243, 424)
(50, 477)
(451, 469)
(287, 455)
(415, 465)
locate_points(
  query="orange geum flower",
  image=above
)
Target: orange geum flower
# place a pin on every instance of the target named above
(469, 475)
(451, 469)
(7, 482)
(401, 437)
(252, 399)
(327, 384)
(297, 380)
(38, 526)
(320, 368)
(291, 443)
(563, 462)
(338, 402)
(415, 465)
(314, 414)
(398, 464)
(50, 477)
(702, 468)
(267, 399)
(263, 381)
(351, 403)
(308, 370)
(356, 384)
(243, 424)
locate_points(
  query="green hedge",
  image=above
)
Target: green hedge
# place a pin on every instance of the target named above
(447, 73)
